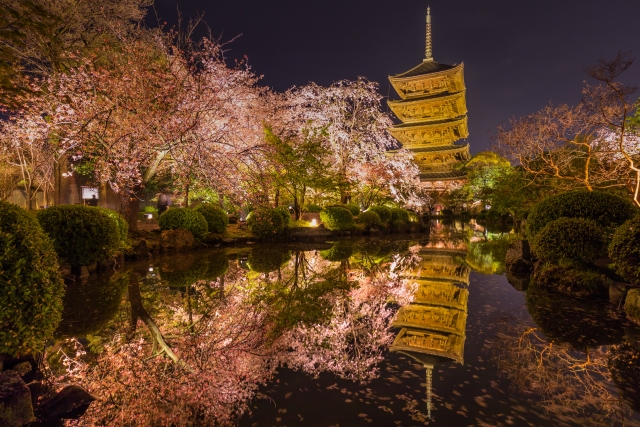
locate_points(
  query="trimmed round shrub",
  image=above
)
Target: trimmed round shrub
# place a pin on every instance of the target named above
(217, 219)
(150, 209)
(314, 208)
(369, 219)
(32, 289)
(607, 210)
(353, 208)
(286, 215)
(121, 223)
(624, 250)
(265, 260)
(265, 222)
(81, 235)
(446, 212)
(340, 251)
(382, 211)
(186, 218)
(570, 238)
(398, 214)
(337, 218)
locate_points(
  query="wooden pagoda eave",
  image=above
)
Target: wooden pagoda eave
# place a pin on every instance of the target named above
(397, 81)
(451, 101)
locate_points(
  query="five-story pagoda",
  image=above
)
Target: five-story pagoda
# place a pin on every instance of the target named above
(433, 111)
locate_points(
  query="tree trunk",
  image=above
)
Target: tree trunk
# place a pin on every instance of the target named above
(29, 193)
(186, 196)
(277, 198)
(297, 210)
(133, 206)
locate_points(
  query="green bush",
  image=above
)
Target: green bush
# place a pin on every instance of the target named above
(340, 251)
(353, 208)
(150, 209)
(265, 222)
(607, 210)
(286, 216)
(398, 214)
(121, 223)
(624, 250)
(186, 218)
(382, 211)
(81, 235)
(217, 219)
(267, 259)
(446, 212)
(465, 215)
(337, 218)
(32, 289)
(314, 208)
(369, 219)
(569, 238)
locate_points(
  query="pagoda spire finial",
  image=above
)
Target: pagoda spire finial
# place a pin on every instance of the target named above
(428, 51)
(429, 389)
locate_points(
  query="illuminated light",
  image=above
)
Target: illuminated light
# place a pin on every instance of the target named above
(314, 223)
(149, 216)
(150, 268)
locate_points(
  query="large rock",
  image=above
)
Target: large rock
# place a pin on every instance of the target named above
(69, 403)
(15, 400)
(176, 240)
(518, 259)
(632, 304)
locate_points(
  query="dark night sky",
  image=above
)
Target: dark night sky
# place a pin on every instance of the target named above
(518, 55)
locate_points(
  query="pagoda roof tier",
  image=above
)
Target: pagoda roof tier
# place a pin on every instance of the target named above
(444, 106)
(434, 318)
(442, 149)
(436, 344)
(428, 79)
(434, 292)
(419, 135)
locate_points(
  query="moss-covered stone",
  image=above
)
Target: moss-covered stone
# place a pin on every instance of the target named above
(632, 304)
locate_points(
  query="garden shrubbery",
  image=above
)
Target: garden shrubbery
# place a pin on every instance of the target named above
(217, 219)
(383, 212)
(353, 208)
(121, 223)
(624, 250)
(465, 215)
(32, 289)
(314, 208)
(337, 218)
(399, 214)
(399, 225)
(285, 214)
(369, 220)
(447, 212)
(265, 222)
(340, 251)
(265, 260)
(570, 238)
(186, 218)
(81, 235)
(607, 210)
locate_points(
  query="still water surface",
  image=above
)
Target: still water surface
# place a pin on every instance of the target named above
(403, 331)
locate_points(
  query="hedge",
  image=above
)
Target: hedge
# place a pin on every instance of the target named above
(121, 223)
(624, 250)
(337, 218)
(286, 215)
(399, 225)
(81, 235)
(383, 211)
(32, 289)
(369, 220)
(353, 208)
(398, 214)
(217, 219)
(186, 218)
(570, 238)
(265, 222)
(607, 210)
(313, 208)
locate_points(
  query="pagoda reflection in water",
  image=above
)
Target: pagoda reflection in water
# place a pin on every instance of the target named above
(433, 325)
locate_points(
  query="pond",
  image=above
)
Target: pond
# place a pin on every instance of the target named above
(384, 331)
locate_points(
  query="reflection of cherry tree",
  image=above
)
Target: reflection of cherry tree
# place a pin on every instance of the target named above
(206, 363)
(569, 384)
